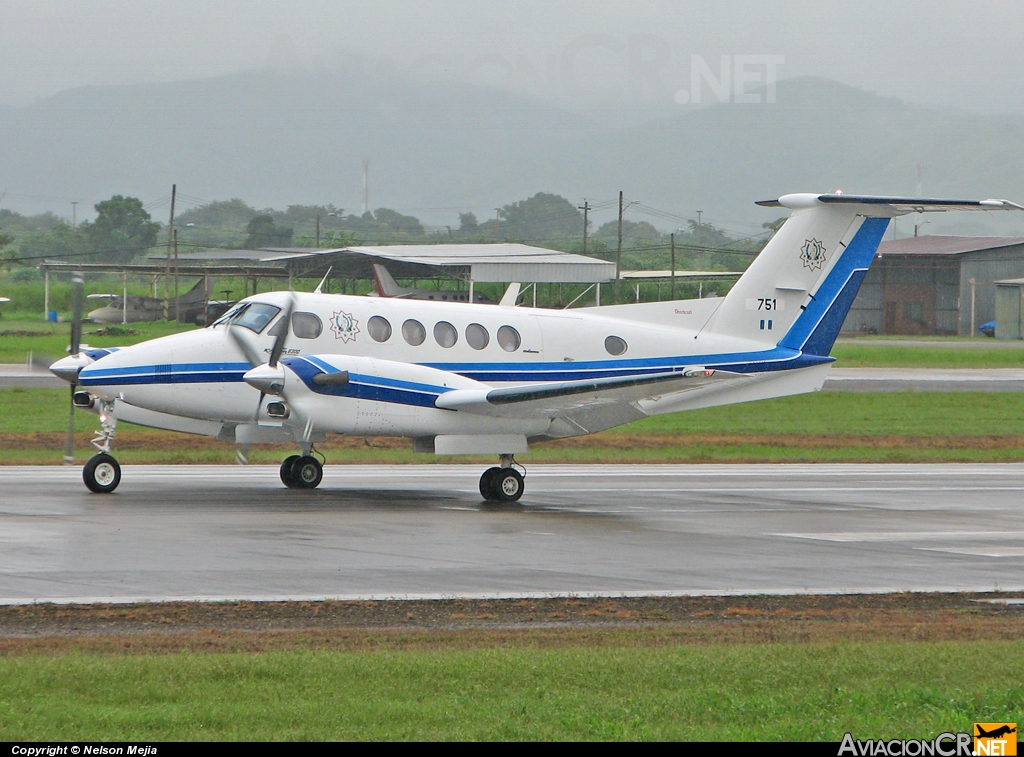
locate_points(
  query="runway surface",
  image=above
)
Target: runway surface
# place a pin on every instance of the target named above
(228, 532)
(924, 380)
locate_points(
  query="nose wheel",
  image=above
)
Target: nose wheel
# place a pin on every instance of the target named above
(501, 485)
(101, 473)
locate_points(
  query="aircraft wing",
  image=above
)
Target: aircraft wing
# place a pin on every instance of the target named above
(567, 398)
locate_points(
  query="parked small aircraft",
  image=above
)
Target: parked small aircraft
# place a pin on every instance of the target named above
(192, 305)
(463, 378)
(388, 287)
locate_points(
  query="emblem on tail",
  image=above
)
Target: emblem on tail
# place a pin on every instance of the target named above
(813, 254)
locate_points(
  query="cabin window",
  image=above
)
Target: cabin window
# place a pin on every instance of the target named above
(615, 345)
(379, 328)
(306, 325)
(414, 332)
(509, 339)
(445, 334)
(477, 336)
(253, 316)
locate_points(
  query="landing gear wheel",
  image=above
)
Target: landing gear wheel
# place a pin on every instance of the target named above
(307, 473)
(286, 471)
(508, 485)
(101, 473)
(487, 490)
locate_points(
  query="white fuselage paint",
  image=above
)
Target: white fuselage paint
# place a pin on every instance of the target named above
(197, 374)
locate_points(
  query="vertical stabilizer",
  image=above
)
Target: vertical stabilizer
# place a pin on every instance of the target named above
(797, 292)
(386, 284)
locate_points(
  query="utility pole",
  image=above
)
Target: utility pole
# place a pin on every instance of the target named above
(74, 214)
(672, 239)
(586, 210)
(699, 212)
(618, 253)
(318, 230)
(177, 298)
(366, 185)
(170, 244)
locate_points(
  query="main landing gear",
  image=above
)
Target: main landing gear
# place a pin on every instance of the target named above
(301, 472)
(101, 473)
(503, 483)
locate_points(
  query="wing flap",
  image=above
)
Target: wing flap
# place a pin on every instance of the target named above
(566, 398)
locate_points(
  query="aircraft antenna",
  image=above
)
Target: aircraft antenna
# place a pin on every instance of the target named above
(320, 286)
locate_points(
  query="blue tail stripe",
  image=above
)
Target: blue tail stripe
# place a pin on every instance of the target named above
(826, 305)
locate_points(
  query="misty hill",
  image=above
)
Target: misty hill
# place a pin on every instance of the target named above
(280, 139)
(819, 136)
(275, 140)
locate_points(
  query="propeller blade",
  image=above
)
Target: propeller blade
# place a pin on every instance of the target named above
(76, 346)
(245, 346)
(282, 333)
(259, 406)
(76, 314)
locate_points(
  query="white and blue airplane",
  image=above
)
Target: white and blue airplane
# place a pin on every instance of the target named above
(467, 378)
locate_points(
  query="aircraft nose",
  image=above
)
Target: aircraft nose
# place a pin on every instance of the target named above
(69, 367)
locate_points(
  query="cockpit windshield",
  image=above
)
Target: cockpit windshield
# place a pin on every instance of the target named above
(252, 315)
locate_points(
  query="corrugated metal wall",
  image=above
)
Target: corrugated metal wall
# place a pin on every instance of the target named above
(925, 294)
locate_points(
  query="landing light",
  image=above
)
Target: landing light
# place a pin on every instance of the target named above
(277, 410)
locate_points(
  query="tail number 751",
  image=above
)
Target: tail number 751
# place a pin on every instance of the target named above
(765, 304)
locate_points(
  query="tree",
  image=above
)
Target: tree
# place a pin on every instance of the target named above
(6, 258)
(61, 242)
(633, 232)
(261, 232)
(392, 220)
(122, 229)
(468, 222)
(542, 217)
(229, 214)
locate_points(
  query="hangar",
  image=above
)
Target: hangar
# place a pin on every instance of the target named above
(934, 285)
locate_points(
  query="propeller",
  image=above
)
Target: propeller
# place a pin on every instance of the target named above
(268, 378)
(76, 344)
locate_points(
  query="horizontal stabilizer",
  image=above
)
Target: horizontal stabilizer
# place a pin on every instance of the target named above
(897, 205)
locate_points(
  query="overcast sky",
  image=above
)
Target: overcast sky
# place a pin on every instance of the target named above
(959, 54)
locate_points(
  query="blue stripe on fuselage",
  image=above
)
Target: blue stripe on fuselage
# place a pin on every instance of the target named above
(775, 359)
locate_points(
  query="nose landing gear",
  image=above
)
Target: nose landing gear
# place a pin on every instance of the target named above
(101, 473)
(503, 483)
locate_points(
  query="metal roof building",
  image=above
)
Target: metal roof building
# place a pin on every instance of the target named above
(465, 262)
(934, 285)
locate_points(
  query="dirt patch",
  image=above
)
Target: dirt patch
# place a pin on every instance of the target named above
(256, 626)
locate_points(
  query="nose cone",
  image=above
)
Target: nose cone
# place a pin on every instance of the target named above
(69, 367)
(268, 380)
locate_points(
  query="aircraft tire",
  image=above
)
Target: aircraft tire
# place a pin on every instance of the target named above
(307, 473)
(508, 485)
(286, 471)
(101, 474)
(487, 488)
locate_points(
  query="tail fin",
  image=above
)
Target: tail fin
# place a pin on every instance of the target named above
(799, 289)
(807, 275)
(386, 284)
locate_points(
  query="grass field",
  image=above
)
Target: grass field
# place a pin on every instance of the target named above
(625, 690)
(881, 355)
(823, 427)
(50, 340)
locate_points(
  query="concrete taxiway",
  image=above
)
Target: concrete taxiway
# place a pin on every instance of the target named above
(231, 532)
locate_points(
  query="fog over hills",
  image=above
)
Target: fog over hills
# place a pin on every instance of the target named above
(276, 139)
